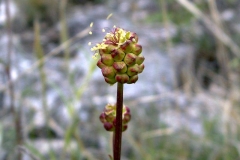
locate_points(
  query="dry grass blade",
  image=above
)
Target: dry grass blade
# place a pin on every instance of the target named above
(218, 32)
(221, 51)
(48, 56)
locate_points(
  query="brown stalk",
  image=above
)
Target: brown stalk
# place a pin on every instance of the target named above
(16, 115)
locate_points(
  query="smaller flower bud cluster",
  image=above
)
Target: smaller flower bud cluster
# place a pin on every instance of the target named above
(108, 117)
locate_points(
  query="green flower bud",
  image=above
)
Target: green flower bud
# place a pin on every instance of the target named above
(133, 79)
(110, 80)
(133, 37)
(100, 64)
(127, 46)
(107, 59)
(141, 68)
(120, 67)
(133, 70)
(110, 48)
(140, 59)
(102, 51)
(126, 118)
(102, 117)
(109, 108)
(137, 49)
(118, 55)
(107, 50)
(127, 109)
(122, 78)
(108, 72)
(124, 128)
(110, 117)
(130, 59)
(109, 126)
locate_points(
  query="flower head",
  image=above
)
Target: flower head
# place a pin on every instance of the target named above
(108, 117)
(121, 59)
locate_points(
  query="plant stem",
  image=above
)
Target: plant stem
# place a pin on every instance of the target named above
(38, 49)
(113, 141)
(64, 33)
(118, 132)
(16, 116)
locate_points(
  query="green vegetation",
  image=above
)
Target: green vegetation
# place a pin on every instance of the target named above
(220, 135)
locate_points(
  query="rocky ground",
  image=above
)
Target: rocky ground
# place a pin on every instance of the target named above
(155, 99)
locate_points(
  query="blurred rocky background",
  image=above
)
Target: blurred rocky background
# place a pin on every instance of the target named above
(185, 105)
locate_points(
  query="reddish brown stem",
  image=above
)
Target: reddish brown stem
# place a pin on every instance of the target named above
(118, 132)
